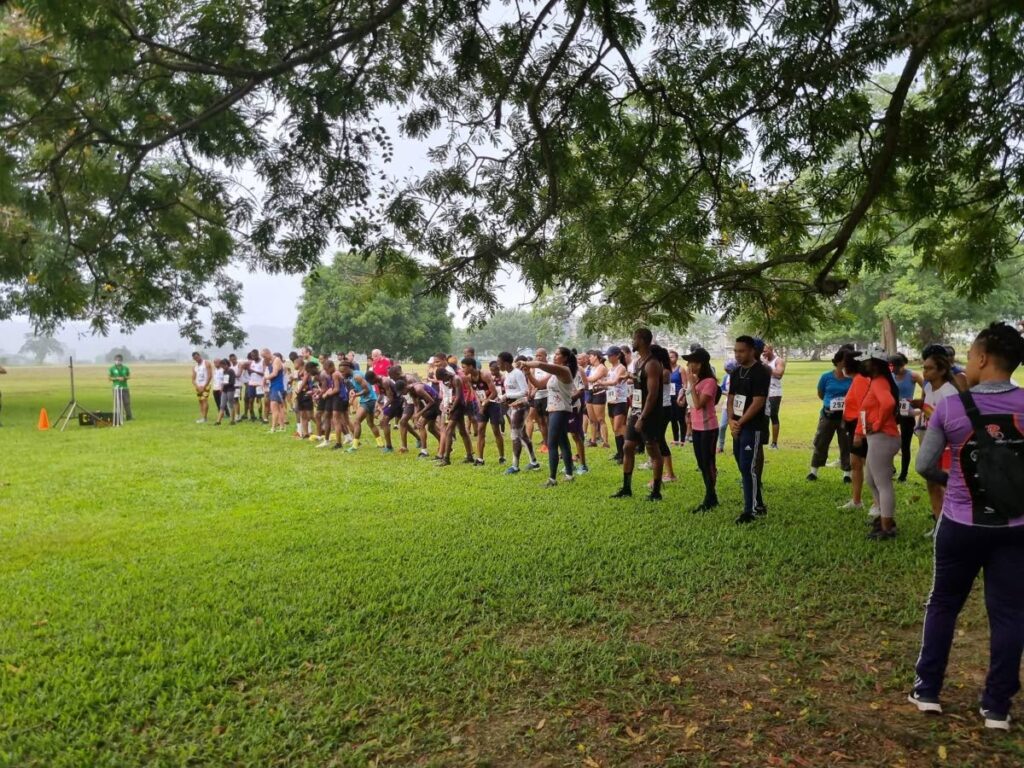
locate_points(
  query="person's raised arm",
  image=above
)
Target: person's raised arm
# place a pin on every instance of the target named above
(562, 372)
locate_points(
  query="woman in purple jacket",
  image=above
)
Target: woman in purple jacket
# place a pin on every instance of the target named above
(971, 536)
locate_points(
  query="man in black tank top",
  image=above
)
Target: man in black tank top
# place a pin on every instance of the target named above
(646, 424)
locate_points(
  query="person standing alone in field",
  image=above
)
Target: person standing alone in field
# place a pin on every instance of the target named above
(202, 382)
(119, 375)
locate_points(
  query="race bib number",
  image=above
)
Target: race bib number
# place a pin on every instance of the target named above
(739, 402)
(613, 396)
(636, 402)
(446, 394)
(904, 407)
(837, 404)
(689, 399)
(409, 399)
(259, 390)
(499, 392)
(672, 389)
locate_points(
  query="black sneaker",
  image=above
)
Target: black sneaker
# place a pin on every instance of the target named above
(811, 477)
(704, 507)
(622, 493)
(501, 459)
(995, 720)
(744, 519)
(478, 462)
(880, 534)
(847, 479)
(927, 704)
(652, 496)
(760, 511)
(336, 447)
(469, 460)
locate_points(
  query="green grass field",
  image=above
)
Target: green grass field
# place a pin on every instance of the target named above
(178, 594)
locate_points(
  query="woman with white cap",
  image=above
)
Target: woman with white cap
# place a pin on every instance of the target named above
(878, 426)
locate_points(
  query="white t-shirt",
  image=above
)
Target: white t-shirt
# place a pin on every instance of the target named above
(775, 385)
(218, 379)
(515, 384)
(542, 379)
(256, 373)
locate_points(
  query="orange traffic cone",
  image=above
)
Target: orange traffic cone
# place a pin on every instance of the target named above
(44, 420)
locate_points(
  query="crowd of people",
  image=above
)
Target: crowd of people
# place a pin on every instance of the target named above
(633, 398)
(642, 399)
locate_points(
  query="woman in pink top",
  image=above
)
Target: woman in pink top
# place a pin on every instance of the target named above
(878, 426)
(701, 397)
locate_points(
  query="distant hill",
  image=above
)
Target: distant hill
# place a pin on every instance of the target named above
(156, 341)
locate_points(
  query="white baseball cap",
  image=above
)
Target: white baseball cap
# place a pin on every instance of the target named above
(873, 352)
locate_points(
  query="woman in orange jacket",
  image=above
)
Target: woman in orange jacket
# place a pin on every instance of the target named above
(878, 427)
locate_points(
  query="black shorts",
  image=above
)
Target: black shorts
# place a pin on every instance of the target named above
(598, 398)
(618, 409)
(540, 405)
(491, 412)
(855, 450)
(775, 404)
(393, 410)
(304, 403)
(431, 413)
(458, 412)
(653, 431)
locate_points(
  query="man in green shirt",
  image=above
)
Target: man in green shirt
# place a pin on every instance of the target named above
(118, 375)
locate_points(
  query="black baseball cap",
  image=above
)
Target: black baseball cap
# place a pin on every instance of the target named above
(698, 356)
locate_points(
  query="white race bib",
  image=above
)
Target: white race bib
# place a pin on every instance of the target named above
(498, 392)
(738, 403)
(637, 400)
(904, 407)
(409, 399)
(837, 404)
(689, 399)
(446, 394)
(672, 389)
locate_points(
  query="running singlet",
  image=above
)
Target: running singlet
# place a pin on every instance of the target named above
(640, 393)
(906, 389)
(616, 393)
(559, 394)
(200, 370)
(277, 383)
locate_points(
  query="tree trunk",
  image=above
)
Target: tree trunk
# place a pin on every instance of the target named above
(889, 335)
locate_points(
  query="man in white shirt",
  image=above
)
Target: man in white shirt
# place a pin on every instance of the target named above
(202, 383)
(515, 395)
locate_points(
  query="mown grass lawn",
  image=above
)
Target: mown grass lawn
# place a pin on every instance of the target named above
(172, 593)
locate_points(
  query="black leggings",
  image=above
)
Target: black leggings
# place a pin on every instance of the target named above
(705, 442)
(678, 420)
(558, 438)
(907, 425)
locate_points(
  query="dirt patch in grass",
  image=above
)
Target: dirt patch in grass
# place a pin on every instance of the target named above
(765, 698)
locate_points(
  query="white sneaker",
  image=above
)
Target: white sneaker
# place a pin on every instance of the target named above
(646, 465)
(324, 444)
(874, 512)
(833, 464)
(851, 505)
(200, 421)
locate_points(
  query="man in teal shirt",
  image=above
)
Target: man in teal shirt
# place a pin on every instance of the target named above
(119, 375)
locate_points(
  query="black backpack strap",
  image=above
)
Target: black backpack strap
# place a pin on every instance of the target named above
(971, 408)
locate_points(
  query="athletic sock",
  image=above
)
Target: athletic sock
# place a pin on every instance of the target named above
(814, 471)
(355, 442)
(627, 481)
(657, 487)
(620, 443)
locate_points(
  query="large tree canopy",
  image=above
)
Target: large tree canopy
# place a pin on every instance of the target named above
(667, 157)
(344, 308)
